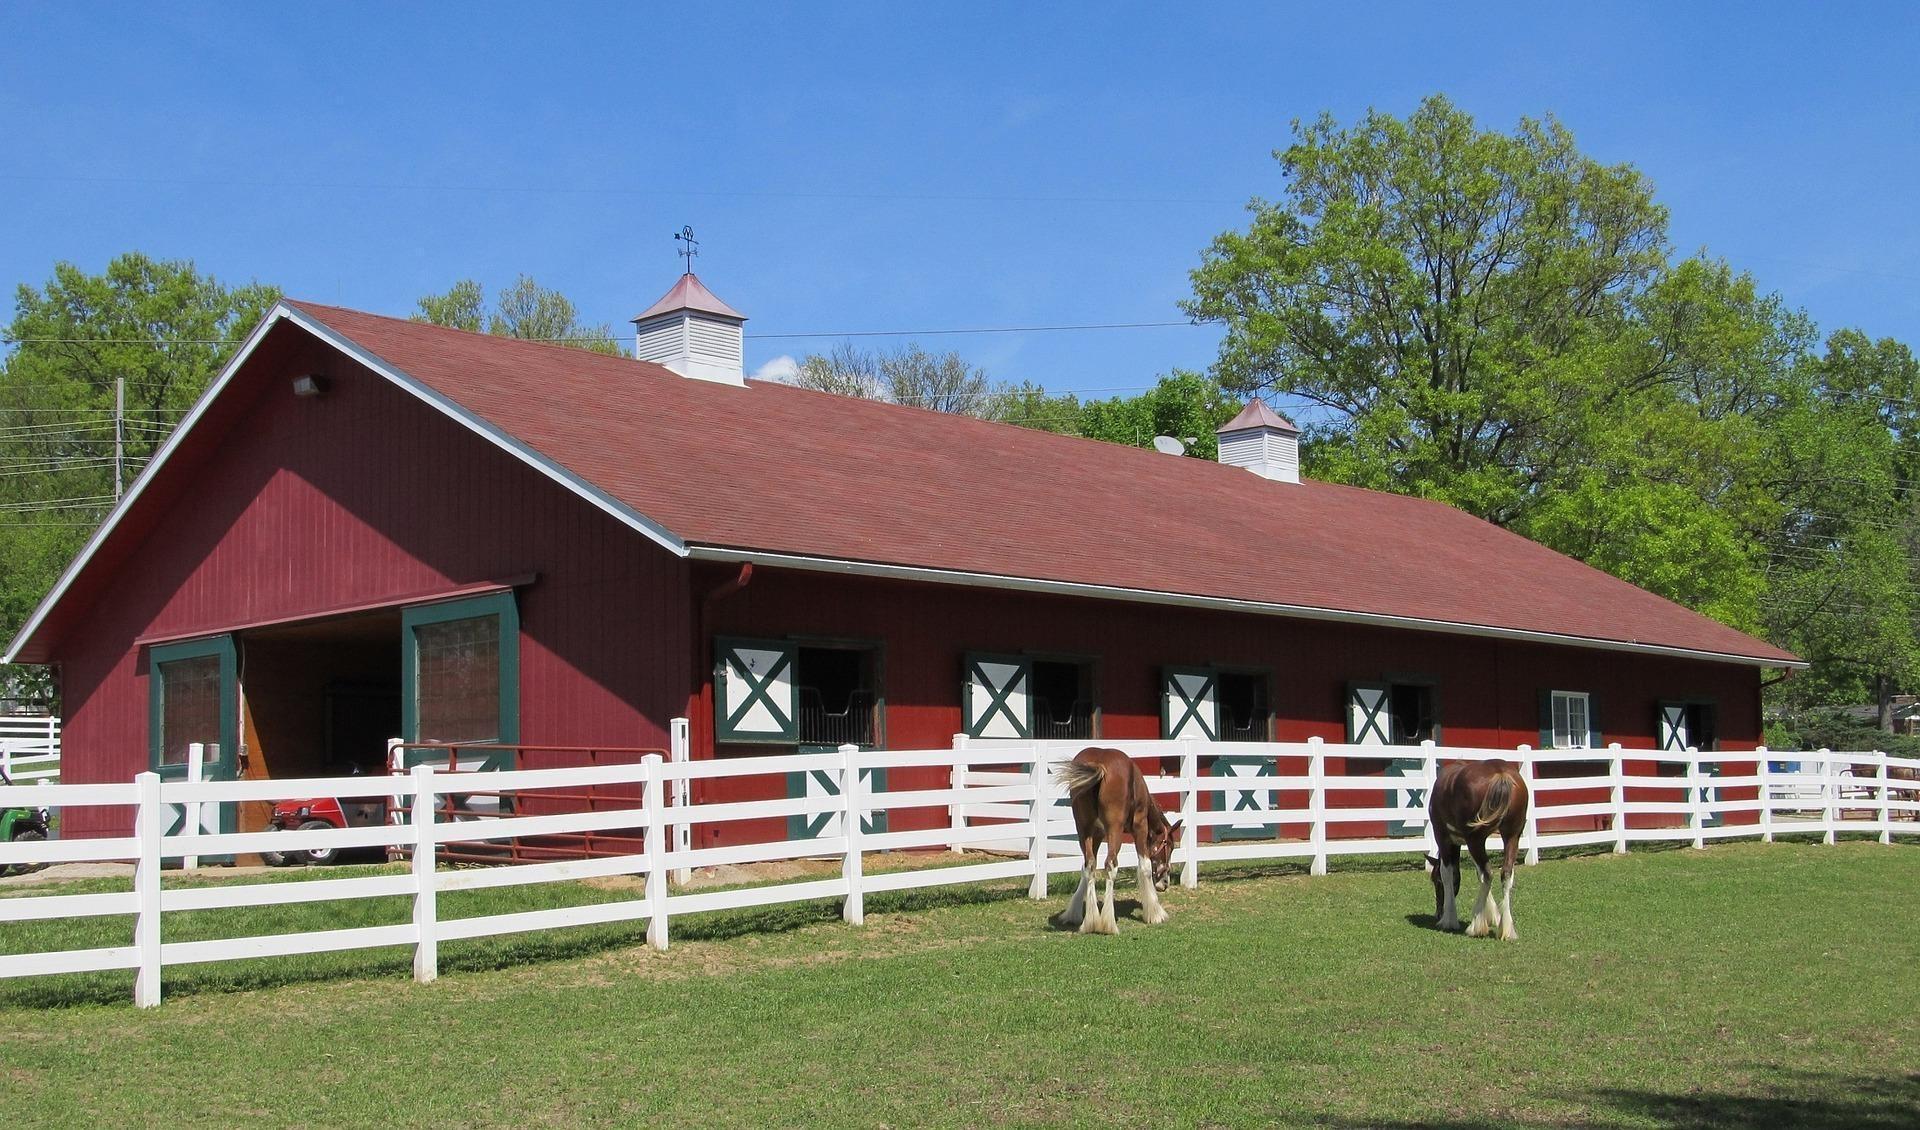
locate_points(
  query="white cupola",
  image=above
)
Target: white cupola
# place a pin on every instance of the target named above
(1262, 441)
(693, 333)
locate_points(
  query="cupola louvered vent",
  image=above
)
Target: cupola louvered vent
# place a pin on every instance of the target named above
(1262, 441)
(693, 333)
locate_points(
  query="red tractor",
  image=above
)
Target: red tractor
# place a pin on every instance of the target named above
(315, 813)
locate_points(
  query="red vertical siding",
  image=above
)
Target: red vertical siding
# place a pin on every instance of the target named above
(1488, 689)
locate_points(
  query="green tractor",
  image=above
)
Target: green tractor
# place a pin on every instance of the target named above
(21, 825)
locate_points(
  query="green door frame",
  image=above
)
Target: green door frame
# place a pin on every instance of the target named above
(499, 604)
(222, 768)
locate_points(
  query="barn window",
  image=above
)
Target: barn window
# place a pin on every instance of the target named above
(838, 695)
(1244, 713)
(1568, 721)
(461, 671)
(191, 698)
(1063, 699)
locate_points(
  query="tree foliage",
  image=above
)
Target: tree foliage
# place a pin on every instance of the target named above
(1499, 322)
(524, 310)
(163, 328)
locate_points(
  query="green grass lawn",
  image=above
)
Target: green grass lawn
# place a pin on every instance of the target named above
(1743, 986)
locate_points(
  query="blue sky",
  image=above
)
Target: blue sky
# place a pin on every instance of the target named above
(879, 167)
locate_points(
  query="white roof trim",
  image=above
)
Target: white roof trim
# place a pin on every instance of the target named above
(1215, 603)
(283, 312)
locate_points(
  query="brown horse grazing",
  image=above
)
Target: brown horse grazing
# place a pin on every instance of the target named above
(1471, 800)
(1110, 801)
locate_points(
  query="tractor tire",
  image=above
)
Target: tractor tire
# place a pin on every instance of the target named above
(319, 857)
(274, 858)
(34, 836)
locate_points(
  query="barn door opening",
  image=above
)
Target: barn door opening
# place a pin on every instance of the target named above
(319, 698)
(838, 689)
(1690, 725)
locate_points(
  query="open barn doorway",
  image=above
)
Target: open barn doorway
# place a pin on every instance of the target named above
(319, 698)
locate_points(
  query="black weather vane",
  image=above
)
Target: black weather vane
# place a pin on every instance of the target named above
(691, 245)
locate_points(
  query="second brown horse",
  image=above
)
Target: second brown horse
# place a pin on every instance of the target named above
(1110, 802)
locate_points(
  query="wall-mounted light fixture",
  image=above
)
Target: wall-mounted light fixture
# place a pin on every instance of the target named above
(310, 385)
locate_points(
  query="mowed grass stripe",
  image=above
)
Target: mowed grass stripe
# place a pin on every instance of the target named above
(1744, 985)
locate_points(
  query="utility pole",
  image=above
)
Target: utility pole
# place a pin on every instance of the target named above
(119, 437)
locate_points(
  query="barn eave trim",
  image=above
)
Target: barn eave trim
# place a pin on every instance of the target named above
(930, 575)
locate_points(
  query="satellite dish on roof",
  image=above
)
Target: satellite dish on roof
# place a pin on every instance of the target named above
(1167, 445)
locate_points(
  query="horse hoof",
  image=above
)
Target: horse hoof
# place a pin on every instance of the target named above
(1509, 935)
(1089, 926)
(1477, 930)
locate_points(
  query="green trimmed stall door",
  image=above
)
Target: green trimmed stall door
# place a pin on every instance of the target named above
(756, 700)
(997, 697)
(1673, 728)
(825, 783)
(1190, 703)
(1252, 800)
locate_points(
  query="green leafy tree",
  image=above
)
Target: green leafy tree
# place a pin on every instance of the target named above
(163, 328)
(524, 310)
(1187, 406)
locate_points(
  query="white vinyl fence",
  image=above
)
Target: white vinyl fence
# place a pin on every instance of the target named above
(995, 795)
(29, 748)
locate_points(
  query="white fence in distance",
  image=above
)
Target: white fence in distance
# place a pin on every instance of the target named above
(995, 794)
(29, 748)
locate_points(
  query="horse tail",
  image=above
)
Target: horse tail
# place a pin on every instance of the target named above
(1078, 777)
(1499, 799)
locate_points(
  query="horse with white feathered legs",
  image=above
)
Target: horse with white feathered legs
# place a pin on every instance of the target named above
(1110, 802)
(1471, 800)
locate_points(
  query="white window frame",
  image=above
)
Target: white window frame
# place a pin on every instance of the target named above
(1561, 712)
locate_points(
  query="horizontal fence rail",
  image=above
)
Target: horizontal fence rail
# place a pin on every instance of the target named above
(29, 749)
(1236, 801)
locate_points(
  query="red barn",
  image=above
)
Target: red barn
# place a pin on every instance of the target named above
(370, 527)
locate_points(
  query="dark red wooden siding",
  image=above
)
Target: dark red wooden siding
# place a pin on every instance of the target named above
(1488, 689)
(365, 495)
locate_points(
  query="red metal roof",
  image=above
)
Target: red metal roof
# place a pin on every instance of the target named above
(1257, 415)
(689, 294)
(772, 469)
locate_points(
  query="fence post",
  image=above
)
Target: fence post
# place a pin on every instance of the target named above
(656, 849)
(190, 809)
(1830, 775)
(957, 780)
(1885, 795)
(426, 906)
(1533, 805)
(1617, 773)
(149, 821)
(6, 758)
(1317, 805)
(1764, 772)
(1189, 812)
(854, 909)
(1696, 798)
(1041, 815)
(680, 744)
